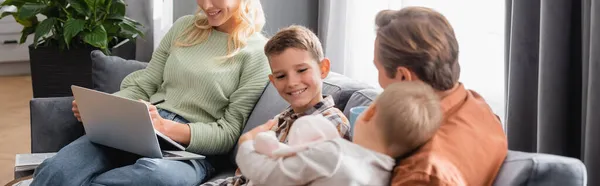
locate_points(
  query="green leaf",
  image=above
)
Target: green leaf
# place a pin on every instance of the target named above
(115, 17)
(26, 22)
(131, 26)
(96, 38)
(79, 6)
(17, 3)
(25, 33)
(93, 4)
(62, 3)
(30, 9)
(90, 4)
(127, 35)
(117, 10)
(72, 28)
(4, 14)
(75, 14)
(111, 27)
(43, 29)
(133, 22)
(130, 30)
(113, 38)
(6, 10)
(8, 2)
(106, 7)
(51, 11)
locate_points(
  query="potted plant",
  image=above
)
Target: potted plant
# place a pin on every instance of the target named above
(65, 32)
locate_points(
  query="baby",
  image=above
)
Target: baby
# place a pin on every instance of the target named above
(403, 118)
(307, 131)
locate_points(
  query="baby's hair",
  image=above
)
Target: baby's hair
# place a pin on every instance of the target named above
(408, 114)
(297, 37)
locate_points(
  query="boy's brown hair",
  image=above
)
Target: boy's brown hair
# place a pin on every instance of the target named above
(298, 37)
(409, 114)
(421, 40)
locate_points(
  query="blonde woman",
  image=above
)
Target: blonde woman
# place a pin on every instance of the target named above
(204, 79)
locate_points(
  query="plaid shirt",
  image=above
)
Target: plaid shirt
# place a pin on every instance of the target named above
(285, 121)
(325, 108)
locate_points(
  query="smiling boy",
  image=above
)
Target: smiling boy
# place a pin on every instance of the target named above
(298, 68)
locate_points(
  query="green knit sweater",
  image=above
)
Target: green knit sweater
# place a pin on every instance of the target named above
(216, 96)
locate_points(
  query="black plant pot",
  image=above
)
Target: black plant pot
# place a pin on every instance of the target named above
(53, 71)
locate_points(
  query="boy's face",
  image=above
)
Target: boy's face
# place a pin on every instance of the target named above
(298, 78)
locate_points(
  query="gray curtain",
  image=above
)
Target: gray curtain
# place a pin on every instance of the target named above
(282, 13)
(553, 80)
(141, 11)
(332, 25)
(279, 13)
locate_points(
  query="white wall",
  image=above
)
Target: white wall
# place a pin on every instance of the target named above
(479, 27)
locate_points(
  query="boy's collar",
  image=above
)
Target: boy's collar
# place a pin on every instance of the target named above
(320, 107)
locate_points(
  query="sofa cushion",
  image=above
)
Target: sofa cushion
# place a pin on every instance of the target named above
(521, 168)
(270, 102)
(109, 71)
(341, 88)
(268, 105)
(53, 125)
(360, 98)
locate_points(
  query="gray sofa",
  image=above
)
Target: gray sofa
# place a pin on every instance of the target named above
(53, 125)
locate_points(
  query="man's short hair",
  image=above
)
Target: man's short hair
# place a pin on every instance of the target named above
(298, 37)
(421, 40)
(409, 114)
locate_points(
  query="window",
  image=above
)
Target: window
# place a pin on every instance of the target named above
(162, 11)
(479, 27)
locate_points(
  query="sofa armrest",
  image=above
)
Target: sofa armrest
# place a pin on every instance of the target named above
(521, 168)
(53, 125)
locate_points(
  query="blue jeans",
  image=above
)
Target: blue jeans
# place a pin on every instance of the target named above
(85, 163)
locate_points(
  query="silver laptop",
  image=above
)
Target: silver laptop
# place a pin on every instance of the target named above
(124, 124)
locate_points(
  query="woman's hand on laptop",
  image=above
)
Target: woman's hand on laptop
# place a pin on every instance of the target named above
(157, 120)
(76, 111)
(178, 132)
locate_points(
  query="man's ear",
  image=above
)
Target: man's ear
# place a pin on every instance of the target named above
(404, 74)
(325, 66)
(271, 78)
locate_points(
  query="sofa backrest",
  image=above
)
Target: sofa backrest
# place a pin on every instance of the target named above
(360, 98)
(346, 93)
(53, 125)
(340, 87)
(109, 71)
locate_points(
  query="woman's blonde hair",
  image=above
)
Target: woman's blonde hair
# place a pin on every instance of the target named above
(250, 17)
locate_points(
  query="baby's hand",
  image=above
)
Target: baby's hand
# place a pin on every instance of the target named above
(250, 135)
(266, 142)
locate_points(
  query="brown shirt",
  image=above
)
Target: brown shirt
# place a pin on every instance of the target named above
(468, 149)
